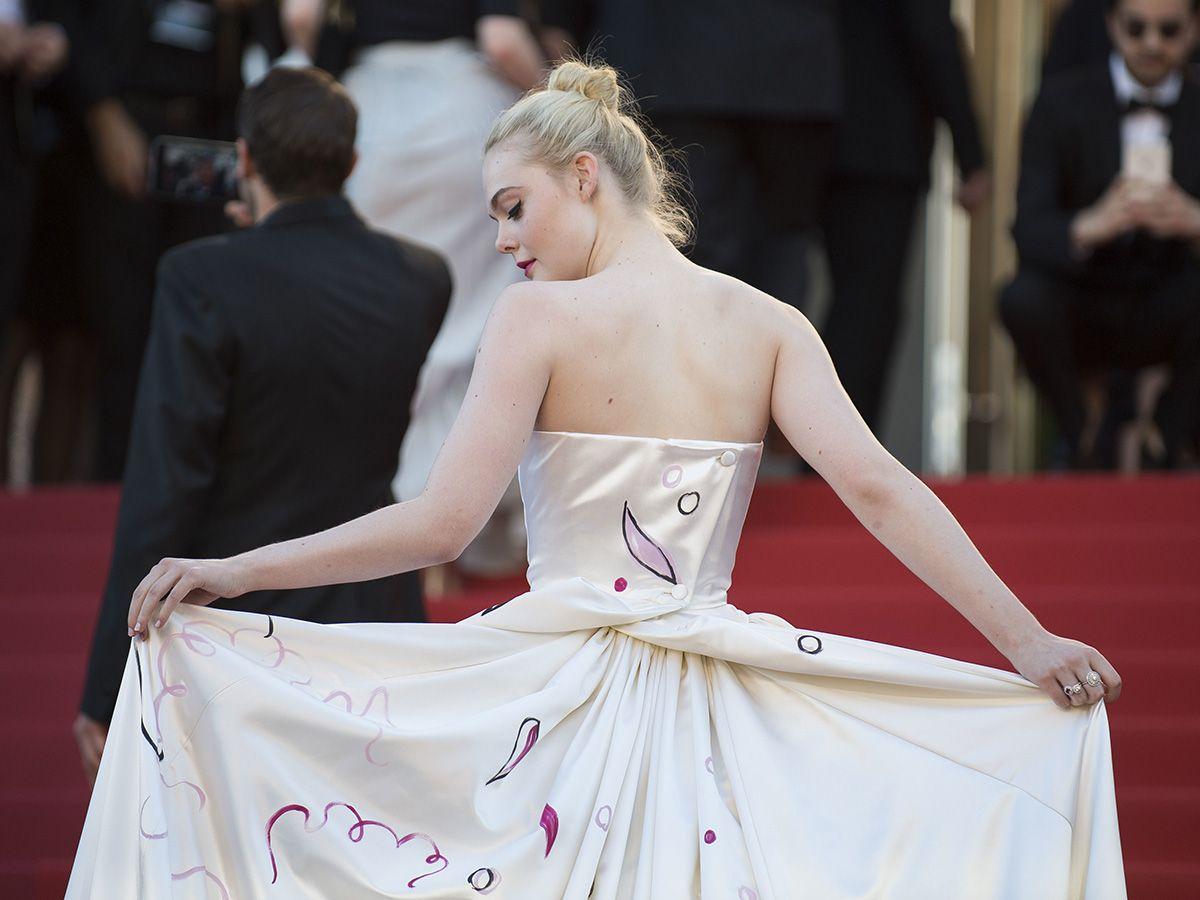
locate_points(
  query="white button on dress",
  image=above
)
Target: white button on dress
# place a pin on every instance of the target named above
(728, 458)
(679, 592)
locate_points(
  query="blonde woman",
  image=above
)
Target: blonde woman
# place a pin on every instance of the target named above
(621, 730)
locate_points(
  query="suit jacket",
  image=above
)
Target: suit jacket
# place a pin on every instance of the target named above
(903, 67)
(1070, 154)
(775, 59)
(273, 398)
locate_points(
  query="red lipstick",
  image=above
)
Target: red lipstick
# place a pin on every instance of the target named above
(526, 266)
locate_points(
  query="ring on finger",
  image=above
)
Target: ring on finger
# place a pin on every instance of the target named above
(1093, 678)
(1076, 688)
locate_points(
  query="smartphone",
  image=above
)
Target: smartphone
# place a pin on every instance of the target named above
(1145, 148)
(191, 170)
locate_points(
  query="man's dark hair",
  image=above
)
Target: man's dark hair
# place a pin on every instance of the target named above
(299, 126)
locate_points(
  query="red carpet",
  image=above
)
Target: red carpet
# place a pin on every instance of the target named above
(1113, 563)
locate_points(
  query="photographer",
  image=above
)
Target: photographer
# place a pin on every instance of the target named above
(276, 384)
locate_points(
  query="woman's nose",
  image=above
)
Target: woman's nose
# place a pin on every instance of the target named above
(504, 243)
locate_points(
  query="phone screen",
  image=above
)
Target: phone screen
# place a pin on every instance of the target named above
(191, 170)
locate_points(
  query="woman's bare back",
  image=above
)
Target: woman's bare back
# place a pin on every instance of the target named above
(682, 352)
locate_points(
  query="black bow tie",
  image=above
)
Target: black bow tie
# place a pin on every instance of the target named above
(1134, 105)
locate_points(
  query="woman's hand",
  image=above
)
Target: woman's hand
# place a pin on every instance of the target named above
(175, 581)
(1052, 663)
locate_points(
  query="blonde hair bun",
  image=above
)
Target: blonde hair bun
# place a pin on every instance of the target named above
(556, 123)
(594, 82)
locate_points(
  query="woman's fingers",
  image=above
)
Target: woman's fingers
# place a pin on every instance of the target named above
(1112, 680)
(149, 603)
(135, 602)
(1066, 678)
(1054, 688)
(184, 591)
(166, 594)
(1091, 694)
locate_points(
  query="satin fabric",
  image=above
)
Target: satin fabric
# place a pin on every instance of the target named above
(619, 731)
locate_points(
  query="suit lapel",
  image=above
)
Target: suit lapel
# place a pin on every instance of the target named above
(1185, 138)
(1107, 124)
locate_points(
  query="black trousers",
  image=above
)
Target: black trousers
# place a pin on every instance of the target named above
(128, 238)
(1063, 328)
(16, 190)
(867, 225)
(756, 185)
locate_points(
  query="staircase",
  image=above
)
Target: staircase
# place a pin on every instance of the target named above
(1113, 563)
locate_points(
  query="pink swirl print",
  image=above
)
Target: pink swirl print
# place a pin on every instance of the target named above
(203, 645)
(356, 833)
(387, 716)
(188, 873)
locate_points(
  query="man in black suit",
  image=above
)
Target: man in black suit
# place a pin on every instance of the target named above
(904, 67)
(749, 93)
(277, 380)
(146, 68)
(1108, 226)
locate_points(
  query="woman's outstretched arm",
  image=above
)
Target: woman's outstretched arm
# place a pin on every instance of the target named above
(473, 469)
(819, 419)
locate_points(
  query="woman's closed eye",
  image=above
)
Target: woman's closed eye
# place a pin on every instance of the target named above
(515, 211)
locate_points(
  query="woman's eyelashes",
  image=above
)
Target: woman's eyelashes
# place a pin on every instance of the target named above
(515, 211)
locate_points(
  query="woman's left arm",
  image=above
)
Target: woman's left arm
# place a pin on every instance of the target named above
(819, 419)
(473, 469)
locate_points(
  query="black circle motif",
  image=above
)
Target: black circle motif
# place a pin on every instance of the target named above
(695, 505)
(482, 879)
(811, 637)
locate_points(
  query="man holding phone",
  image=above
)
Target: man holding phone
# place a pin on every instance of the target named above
(1108, 225)
(277, 380)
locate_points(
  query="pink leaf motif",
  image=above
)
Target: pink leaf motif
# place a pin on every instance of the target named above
(528, 729)
(550, 824)
(644, 550)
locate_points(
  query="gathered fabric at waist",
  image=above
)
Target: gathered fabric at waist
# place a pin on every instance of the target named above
(695, 597)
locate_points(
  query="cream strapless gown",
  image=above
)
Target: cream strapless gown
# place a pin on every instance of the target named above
(619, 731)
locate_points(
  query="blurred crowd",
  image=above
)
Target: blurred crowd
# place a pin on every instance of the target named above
(800, 123)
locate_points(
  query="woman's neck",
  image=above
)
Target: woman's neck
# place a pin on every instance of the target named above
(627, 239)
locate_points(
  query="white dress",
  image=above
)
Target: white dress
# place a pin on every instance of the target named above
(619, 731)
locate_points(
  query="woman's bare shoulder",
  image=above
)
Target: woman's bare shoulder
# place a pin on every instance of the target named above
(755, 308)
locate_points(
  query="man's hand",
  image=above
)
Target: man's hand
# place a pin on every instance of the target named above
(120, 147)
(1167, 211)
(45, 52)
(300, 21)
(238, 212)
(1106, 219)
(974, 191)
(90, 735)
(12, 45)
(511, 49)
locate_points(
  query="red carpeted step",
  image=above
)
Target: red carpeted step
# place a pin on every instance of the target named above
(1162, 881)
(1108, 562)
(1059, 501)
(36, 879)
(1159, 824)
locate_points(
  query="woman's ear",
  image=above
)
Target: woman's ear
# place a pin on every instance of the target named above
(586, 170)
